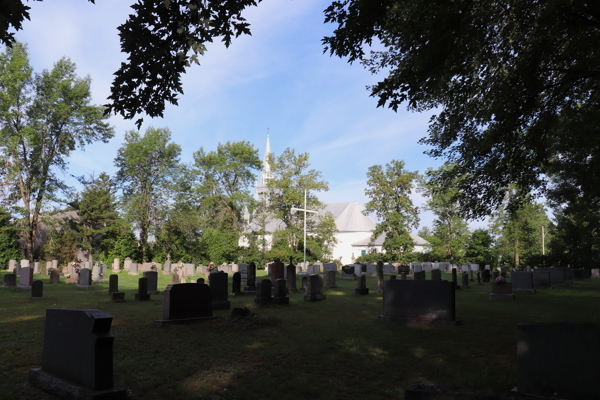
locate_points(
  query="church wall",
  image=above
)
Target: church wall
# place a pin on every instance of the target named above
(343, 248)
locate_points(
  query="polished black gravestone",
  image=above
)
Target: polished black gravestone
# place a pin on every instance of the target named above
(77, 359)
(557, 275)
(218, 287)
(200, 281)
(380, 280)
(522, 282)
(113, 283)
(314, 291)
(419, 276)
(248, 272)
(331, 279)
(37, 289)
(361, 286)
(85, 279)
(10, 280)
(186, 302)
(502, 291)
(152, 277)
(558, 359)
(290, 278)
(263, 294)
(142, 294)
(280, 292)
(465, 280)
(485, 276)
(454, 279)
(436, 275)
(420, 302)
(236, 284)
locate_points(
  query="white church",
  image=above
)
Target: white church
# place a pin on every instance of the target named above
(354, 229)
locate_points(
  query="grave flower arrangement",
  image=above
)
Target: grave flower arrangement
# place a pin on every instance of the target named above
(500, 280)
(211, 267)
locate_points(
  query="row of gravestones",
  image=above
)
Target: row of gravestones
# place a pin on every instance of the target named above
(38, 267)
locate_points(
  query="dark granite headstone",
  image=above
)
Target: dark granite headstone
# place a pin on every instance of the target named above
(502, 291)
(403, 268)
(313, 269)
(557, 275)
(85, 278)
(314, 292)
(304, 283)
(218, 287)
(454, 279)
(380, 280)
(37, 289)
(10, 280)
(419, 301)
(117, 297)
(419, 276)
(329, 267)
(291, 278)
(277, 271)
(558, 359)
(187, 301)
(478, 277)
(54, 276)
(280, 292)
(142, 294)
(522, 282)
(331, 279)
(113, 283)
(436, 275)
(200, 281)
(392, 277)
(361, 285)
(485, 276)
(263, 294)
(495, 274)
(236, 284)
(249, 278)
(152, 277)
(465, 280)
(25, 278)
(77, 358)
(403, 276)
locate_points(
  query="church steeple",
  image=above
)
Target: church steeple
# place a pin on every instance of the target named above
(265, 174)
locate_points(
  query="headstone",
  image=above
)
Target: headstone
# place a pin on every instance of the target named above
(419, 276)
(37, 289)
(485, 276)
(557, 275)
(380, 280)
(187, 302)
(427, 266)
(85, 279)
(249, 277)
(190, 268)
(54, 276)
(200, 281)
(146, 267)
(361, 285)
(416, 267)
(46, 268)
(454, 279)
(218, 287)
(142, 294)
(348, 272)
(113, 283)
(236, 284)
(10, 280)
(152, 277)
(116, 266)
(117, 297)
(431, 302)
(522, 282)
(291, 278)
(304, 283)
(541, 279)
(25, 278)
(55, 264)
(263, 294)
(392, 277)
(277, 271)
(235, 268)
(280, 292)
(436, 275)
(183, 274)
(502, 291)
(133, 268)
(568, 273)
(558, 359)
(167, 269)
(403, 276)
(97, 274)
(175, 278)
(78, 355)
(495, 274)
(12, 265)
(595, 273)
(478, 277)
(388, 269)
(314, 291)
(331, 279)
(371, 269)
(488, 267)
(313, 269)
(36, 267)
(465, 280)
(127, 264)
(329, 267)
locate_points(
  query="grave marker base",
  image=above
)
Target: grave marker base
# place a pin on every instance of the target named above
(506, 297)
(348, 277)
(524, 290)
(281, 300)
(330, 287)
(237, 294)
(250, 290)
(183, 320)
(24, 287)
(142, 296)
(361, 291)
(63, 388)
(83, 286)
(117, 297)
(420, 321)
(263, 302)
(318, 297)
(221, 305)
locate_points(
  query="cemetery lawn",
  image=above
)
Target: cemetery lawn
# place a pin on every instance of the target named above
(333, 349)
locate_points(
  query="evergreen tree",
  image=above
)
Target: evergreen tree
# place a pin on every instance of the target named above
(9, 239)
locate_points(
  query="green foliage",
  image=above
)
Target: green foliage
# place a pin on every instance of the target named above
(389, 189)
(148, 169)
(514, 85)
(43, 118)
(221, 245)
(125, 245)
(480, 247)
(9, 239)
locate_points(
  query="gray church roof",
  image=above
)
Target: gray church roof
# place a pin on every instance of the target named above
(349, 217)
(417, 240)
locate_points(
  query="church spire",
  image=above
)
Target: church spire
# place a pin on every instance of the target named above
(265, 174)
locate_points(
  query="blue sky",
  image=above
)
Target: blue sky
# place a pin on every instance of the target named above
(278, 78)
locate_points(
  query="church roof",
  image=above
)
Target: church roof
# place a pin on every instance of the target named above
(418, 240)
(349, 217)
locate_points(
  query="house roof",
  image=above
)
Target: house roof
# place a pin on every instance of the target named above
(349, 217)
(418, 240)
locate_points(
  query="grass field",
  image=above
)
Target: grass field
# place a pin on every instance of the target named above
(334, 349)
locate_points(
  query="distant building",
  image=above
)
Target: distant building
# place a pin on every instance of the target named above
(354, 229)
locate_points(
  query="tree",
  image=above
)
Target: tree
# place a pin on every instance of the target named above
(389, 190)
(516, 84)
(449, 226)
(479, 247)
(290, 178)
(226, 176)
(148, 167)
(9, 239)
(43, 118)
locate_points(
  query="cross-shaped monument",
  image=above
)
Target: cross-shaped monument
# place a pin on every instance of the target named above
(305, 211)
